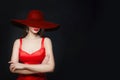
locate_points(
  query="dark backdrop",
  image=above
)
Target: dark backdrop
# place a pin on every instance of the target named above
(78, 45)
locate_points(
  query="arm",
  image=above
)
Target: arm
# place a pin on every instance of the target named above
(23, 71)
(20, 71)
(49, 66)
(17, 67)
(15, 59)
(15, 51)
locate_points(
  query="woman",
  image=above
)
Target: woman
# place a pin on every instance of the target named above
(32, 55)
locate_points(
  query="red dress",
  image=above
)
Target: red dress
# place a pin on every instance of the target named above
(34, 58)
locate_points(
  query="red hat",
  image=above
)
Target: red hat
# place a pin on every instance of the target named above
(35, 19)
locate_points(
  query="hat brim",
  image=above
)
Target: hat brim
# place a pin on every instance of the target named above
(37, 24)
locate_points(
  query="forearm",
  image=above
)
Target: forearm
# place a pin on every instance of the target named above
(40, 68)
(24, 72)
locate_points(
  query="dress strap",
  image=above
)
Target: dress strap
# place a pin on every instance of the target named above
(20, 43)
(42, 43)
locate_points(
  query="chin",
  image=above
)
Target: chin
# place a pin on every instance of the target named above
(35, 32)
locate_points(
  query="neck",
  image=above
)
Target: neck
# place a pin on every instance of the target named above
(32, 36)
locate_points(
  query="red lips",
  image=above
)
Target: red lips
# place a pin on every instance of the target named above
(36, 29)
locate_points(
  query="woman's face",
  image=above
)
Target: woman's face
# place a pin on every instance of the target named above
(34, 30)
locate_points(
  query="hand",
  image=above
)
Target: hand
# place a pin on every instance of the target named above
(15, 65)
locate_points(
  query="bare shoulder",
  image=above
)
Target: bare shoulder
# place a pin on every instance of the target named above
(17, 42)
(47, 40)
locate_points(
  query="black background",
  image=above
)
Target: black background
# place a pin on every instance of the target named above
(79, 44)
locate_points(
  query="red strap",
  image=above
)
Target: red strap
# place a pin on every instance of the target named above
(20, 43)
(42, 43)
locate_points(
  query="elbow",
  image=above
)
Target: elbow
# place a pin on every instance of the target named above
(12, 71)
(52, 69)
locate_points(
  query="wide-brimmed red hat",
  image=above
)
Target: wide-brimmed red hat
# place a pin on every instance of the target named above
(36, 19)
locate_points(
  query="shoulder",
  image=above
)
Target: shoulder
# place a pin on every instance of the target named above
(47, 40)
(17, 42)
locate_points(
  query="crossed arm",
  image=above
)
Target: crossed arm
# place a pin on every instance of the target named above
(47, 65)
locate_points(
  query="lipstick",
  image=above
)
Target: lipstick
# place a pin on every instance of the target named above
(36, 29)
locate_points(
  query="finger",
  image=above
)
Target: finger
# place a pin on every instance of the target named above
(11, 65)
(10, 68)
(13, 68)
(10, 62)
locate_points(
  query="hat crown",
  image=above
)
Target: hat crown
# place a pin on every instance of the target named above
(35, 18)
(35, 15)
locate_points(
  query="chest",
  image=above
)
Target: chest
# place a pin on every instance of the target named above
(34, 58)
(31, 47)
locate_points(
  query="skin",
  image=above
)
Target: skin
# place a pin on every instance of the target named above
(47, 64)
